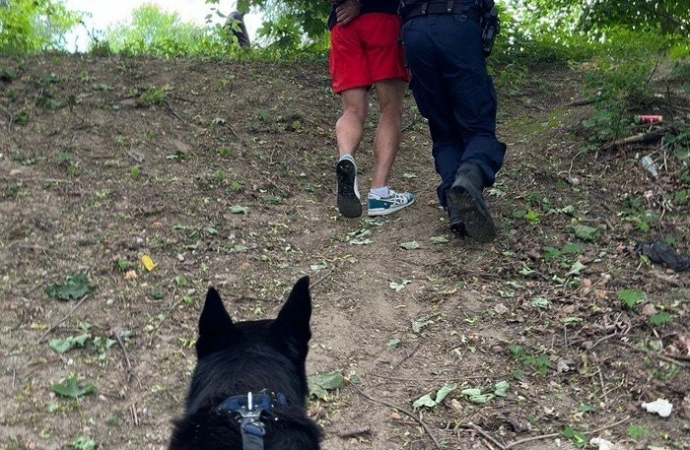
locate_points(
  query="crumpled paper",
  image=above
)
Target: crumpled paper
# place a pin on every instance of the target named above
(659, 406)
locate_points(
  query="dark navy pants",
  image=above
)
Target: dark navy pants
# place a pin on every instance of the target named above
(454, 91)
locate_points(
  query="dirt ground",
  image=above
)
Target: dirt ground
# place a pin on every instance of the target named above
(222, 174)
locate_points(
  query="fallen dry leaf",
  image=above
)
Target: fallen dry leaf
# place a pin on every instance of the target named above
(130, 275)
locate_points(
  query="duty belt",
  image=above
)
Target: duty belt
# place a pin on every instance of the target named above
(451, 7)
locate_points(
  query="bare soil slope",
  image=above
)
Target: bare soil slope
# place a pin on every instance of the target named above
(222, 174)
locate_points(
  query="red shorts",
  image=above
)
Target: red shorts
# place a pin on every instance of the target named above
(367, 50)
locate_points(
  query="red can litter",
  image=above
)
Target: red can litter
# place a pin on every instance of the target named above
(648, 119)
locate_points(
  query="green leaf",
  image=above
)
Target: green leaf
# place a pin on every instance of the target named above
(631, 298)
(318, 266)
(578, 438)
(576, 269)
(424, 401)
(586, 233)
(67, 344)
(501, 388)
(397, 287)
(357, 241)
(584, 408)
(418, 325)
(541, 303)
(321, 383)
(393, 343)
(70, 388)
(661, 318)
(75, 287)
(444, 391)
(413, 245)
(439, 239)
(237, 209)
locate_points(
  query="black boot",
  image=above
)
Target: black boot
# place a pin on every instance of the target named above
(455, 220)
(466, 196)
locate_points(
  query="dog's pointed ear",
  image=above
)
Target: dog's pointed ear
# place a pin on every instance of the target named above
(215, 324)
(293, 318)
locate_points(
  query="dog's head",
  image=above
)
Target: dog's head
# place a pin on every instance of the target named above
(260, 347)
(235, 358)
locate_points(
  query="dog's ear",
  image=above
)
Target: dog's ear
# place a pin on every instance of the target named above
(293, 318)
(215, 324)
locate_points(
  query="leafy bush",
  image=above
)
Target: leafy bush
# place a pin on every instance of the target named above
(154, 32)
(34, 26)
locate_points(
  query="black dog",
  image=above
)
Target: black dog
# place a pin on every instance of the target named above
(249, 387)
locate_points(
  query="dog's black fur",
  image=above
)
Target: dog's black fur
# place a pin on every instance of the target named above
(253, 356)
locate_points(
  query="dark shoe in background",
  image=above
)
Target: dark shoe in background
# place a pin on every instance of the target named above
(349, 203)
(455, 220)
(467, 198)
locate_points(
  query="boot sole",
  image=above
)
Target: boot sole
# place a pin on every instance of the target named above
(479, 225)
(349, 205)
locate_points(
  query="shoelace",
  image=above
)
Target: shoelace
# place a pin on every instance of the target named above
(395, 198)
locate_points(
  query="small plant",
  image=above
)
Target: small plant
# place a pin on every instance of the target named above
(153, 96)
(225, 152)
(134, 172)
(541, 363)
(533, 217)
(220, 176)
(637, 432)
(83, 443)
(21, 118)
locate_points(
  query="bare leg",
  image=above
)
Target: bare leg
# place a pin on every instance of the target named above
(350, 126)
(390, 94)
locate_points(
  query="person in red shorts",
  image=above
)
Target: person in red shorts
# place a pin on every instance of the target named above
(366, 52)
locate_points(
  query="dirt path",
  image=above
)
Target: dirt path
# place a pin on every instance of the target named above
(223, 174)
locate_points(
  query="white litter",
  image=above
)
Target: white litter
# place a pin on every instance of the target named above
(602, 443)
(660, 406)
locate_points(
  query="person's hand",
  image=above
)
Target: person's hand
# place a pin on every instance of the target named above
(348, 11)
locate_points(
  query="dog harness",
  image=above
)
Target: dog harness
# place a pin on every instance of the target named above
(247, 410)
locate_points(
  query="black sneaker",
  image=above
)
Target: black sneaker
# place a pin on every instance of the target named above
(349, 203)
(467, 197)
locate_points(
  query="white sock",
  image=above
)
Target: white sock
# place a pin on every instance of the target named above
(382, 192)
(348, 157)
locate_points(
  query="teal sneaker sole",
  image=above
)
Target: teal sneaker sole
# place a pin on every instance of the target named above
(349, 205)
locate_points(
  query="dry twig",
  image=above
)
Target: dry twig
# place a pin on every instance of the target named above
(408, 356)
(59, 322)
(354, 432)
(128, 363)
(660, 356)
(484, 434)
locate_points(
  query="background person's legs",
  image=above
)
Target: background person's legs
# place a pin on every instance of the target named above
(350, 126)
(390, 94)
(349, 130)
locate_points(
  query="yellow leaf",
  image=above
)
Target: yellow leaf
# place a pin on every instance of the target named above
(148, 263)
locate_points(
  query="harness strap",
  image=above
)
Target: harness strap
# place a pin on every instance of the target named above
(248, 410)
(253, 433)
